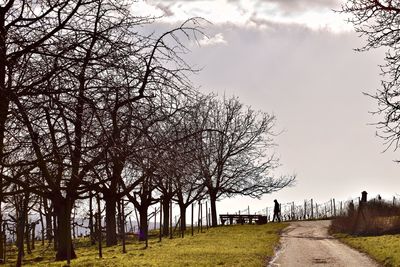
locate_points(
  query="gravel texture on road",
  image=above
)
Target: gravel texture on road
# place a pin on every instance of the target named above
(307, 243)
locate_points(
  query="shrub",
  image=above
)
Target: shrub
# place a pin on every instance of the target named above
(375, 217)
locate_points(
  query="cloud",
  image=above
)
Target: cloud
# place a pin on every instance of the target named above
(214, 40)
(166, 9)
(314, 14)
(295, 6)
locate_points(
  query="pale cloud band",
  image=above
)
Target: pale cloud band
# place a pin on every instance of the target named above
(313, 14)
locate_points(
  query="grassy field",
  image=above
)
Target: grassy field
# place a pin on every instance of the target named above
(239, 245)
(384, 249)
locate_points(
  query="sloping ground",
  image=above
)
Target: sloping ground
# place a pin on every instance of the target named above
(238, 245)
(385, 249)
(308, 243)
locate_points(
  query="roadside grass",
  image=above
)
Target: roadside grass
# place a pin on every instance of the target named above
(237, 245)
(384, 249)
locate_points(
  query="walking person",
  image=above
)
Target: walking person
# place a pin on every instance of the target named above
(277, 211)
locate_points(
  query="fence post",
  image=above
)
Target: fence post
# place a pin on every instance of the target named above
(293, 209)
(192, 217)
(99, 226)
(170, 220)
(123, 225)
(334, 208)
(155, 218)
(161, 207)
(312, 209)
(201, 217)
(341, 208)
(206, 216)
(198, 217)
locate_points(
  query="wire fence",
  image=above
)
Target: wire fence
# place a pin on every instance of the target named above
(312, 210)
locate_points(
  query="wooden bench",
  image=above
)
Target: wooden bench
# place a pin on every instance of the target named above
(242, 218)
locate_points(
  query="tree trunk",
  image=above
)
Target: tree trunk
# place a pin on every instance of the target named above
(64, 247)
(214, 219)
(166, 215)
(111, 226)
(182, 208)
(41, 220)
(122, 210)
(20, 229)
(143, 225)
(20, 238)
(33, 227)
(27, 236)
(55, 226)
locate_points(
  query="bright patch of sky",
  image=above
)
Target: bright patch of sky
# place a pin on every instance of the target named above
(255, 13)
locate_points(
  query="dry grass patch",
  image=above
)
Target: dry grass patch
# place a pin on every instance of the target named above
(239, 245)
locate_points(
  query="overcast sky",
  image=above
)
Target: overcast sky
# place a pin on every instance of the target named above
(295, 59)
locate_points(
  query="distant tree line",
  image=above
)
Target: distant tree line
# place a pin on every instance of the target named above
(93, 109)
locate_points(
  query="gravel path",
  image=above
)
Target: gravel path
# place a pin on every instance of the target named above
(308, 244)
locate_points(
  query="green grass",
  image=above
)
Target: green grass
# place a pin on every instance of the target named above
(238, 245)
(384, 249)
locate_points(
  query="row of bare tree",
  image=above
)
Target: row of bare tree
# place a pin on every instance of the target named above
(92, 106)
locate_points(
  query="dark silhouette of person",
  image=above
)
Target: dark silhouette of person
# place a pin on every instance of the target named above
(277, 211)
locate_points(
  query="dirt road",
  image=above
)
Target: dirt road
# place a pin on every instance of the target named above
(308, 244)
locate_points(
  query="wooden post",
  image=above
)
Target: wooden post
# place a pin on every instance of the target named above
(130, 223)
(209, 216)
(170, 219)
(91, 230)
(305, 209)
(206, 216)
(192, 218)
(198, 217)
(155, 218)
(33, 229)
(99, 225)
(201, 217)
(41, 219)
(123, 225)
(334, 208)
(312, 209)
(293, 211)
(161, 208)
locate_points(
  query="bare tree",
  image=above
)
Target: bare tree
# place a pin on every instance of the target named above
(379, 21)
(236, 157)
